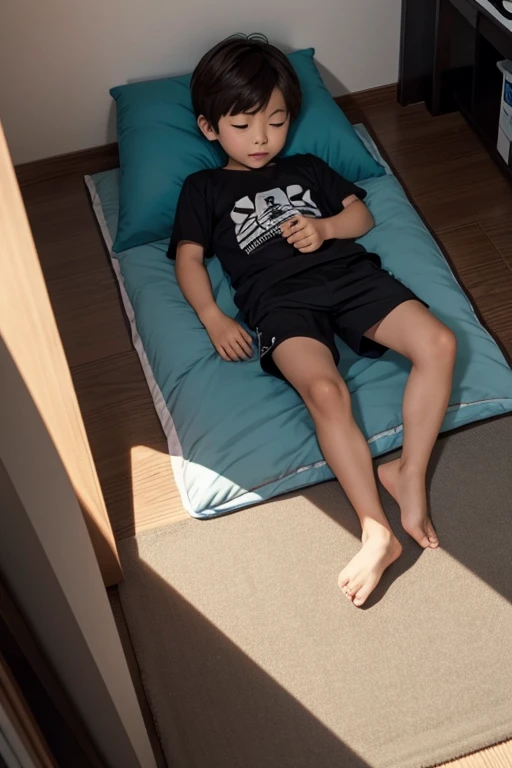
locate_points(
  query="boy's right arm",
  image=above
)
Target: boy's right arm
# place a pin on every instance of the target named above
(230, 340)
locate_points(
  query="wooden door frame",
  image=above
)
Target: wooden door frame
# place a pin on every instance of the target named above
(29, 330)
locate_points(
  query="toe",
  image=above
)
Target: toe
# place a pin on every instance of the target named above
(342, 583)
(433, 539)
(360, 597)
(419, 535)
(364, 591)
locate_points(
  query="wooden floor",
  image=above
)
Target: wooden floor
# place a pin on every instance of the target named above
(456, 187)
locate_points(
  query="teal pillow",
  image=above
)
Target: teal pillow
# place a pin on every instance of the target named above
(160, 145)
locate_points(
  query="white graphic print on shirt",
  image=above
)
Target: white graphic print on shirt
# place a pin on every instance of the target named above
(258, 222)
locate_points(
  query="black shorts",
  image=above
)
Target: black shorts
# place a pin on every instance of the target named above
(343, 298)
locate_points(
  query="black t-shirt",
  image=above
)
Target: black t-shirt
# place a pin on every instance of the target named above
(236, 215)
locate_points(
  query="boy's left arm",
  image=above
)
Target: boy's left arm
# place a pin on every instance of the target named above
(308, 234)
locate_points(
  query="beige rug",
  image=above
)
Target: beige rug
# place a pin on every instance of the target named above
(252, 658)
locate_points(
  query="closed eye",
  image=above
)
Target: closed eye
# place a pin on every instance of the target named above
(243, 127)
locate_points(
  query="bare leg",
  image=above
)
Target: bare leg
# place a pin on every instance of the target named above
(414, 332)
(309, 367)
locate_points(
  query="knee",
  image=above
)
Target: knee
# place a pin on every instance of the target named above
(327, 396)
(439, 345)
(444, 344)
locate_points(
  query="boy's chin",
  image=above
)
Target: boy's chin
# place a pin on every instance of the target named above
(256, 161)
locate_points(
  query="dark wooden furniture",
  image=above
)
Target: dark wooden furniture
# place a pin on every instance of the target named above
(449, 51)
(416, 51)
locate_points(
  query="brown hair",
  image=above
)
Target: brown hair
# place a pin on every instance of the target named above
(238, 75)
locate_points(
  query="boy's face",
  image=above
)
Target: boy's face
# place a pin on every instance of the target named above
(251, 140)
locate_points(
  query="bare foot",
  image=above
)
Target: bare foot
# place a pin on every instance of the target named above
(408, 490)
(360, 577)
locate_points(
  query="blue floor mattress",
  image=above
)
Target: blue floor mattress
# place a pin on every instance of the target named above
(237, 436)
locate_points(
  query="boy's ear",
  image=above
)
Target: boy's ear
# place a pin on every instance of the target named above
(206, 129)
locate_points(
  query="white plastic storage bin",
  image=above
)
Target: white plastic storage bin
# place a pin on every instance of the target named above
(505, 124)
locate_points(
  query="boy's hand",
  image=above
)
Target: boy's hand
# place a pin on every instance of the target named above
(304, 233)
(230, 340)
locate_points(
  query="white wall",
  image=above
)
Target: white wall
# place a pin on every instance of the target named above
(58, 58)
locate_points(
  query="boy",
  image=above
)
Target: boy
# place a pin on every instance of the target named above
(284, 230)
